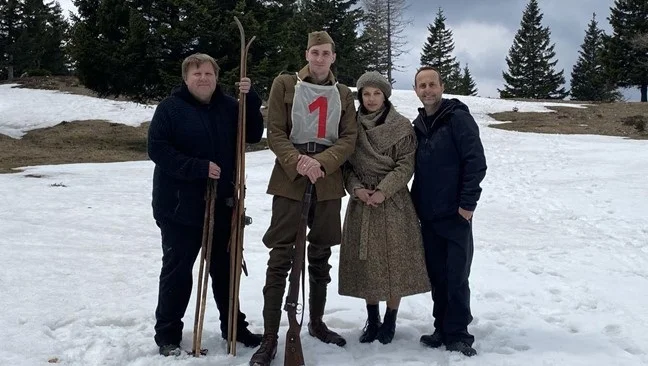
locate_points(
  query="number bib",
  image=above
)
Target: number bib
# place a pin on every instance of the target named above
(316, 114)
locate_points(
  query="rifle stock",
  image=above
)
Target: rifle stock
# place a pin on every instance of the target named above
(293, 355)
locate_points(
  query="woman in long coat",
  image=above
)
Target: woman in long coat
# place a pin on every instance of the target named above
(381, 256)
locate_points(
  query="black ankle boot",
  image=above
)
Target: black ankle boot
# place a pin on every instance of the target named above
(244, 336)
(388, 328)
(370, 331)
(462, 347)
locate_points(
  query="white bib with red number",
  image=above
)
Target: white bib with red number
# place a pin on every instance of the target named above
(316, 112)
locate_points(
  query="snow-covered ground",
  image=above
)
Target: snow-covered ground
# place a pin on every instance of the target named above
(22, 110)
(559, 276)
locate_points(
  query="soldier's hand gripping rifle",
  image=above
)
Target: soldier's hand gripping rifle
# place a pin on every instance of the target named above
(293, 355)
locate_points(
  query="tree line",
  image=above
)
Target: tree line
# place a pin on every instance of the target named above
(605, 62)
(134, 47)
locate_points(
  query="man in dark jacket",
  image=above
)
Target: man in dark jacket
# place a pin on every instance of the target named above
(450, 165)
(192, 138)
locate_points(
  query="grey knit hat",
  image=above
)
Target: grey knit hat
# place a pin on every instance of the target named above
(376, 80)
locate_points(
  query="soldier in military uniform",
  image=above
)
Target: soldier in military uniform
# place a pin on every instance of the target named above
(312, 131)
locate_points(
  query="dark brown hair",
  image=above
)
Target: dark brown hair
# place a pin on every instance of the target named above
(426, 68)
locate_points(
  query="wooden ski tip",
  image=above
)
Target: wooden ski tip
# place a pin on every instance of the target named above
(238, 22)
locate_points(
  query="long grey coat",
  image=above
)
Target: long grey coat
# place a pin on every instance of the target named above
(381, 255)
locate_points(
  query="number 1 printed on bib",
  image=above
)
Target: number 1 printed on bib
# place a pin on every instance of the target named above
(321, 106)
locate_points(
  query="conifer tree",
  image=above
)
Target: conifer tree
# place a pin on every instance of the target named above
(588, 78)
(277, 49)
(468, 85)
(453, 83)
(55, 57)
(437, 52)
(626, 49)
(531, 73)
(32, 37)
(136, 49)
(11, 23)
(97, 44)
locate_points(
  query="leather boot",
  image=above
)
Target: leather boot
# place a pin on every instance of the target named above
(388, 328)
(266, 352)
(243, 334)
(434, 340)
(246, 337)
(170, 350)
(316, 327)
(462, 347)
(370, 331)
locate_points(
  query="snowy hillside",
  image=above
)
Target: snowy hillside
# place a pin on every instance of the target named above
(559, 276)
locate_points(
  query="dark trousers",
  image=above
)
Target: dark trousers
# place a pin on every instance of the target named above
(448, 244)
(180, 247)
(325, 231)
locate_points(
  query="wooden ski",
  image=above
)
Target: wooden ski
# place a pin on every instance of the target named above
(239, 220)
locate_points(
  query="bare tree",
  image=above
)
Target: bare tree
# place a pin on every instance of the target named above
(384, 25)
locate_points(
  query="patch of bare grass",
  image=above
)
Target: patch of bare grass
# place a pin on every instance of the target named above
(74, 142)
(612, 119)
(90, 141)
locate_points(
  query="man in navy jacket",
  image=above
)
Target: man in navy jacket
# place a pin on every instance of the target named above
(450, 166)
(192, 138)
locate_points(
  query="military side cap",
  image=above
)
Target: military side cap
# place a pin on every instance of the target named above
(318, 38)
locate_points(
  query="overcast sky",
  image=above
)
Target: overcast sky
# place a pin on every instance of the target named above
(483, 32)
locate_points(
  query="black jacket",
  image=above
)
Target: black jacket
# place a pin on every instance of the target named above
(184, 136)
(450, 161)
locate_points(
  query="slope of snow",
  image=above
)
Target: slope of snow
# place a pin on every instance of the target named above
(22, 110)
(559, 274)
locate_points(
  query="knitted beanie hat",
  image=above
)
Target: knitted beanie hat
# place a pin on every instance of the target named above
(376, 80)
